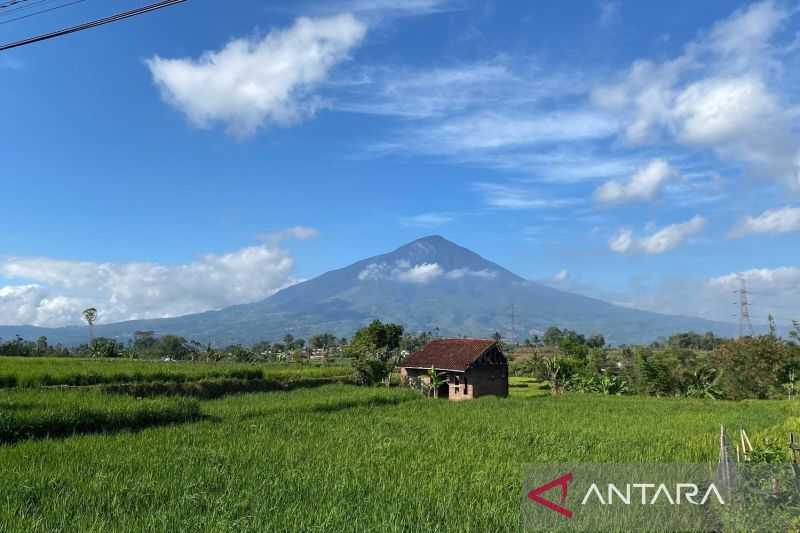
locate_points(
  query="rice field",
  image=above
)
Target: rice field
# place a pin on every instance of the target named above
(337, 457)
(51, 371)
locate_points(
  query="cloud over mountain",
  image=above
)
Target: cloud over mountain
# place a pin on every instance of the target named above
(55, 291)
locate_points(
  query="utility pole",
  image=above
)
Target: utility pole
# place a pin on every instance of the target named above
(745, 326)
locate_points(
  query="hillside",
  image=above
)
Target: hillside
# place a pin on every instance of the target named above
(427, 284)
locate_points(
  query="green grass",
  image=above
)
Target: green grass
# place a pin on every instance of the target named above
(46, 371)
(519, 387)
(342, 458)
(27, 414)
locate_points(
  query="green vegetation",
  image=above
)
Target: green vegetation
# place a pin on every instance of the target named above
(345, 458)
(41, 371)
(27, 414)
(747, 368)
(230, 446)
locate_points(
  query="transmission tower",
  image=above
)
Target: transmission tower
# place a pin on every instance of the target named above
(745, 326)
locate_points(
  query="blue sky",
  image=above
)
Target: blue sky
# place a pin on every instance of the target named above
(203, 156)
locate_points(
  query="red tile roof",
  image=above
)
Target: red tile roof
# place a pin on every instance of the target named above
(449, 354)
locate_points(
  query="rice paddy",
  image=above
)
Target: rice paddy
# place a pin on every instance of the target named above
(329, 458)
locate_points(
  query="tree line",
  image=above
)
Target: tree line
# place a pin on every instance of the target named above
(686, 364)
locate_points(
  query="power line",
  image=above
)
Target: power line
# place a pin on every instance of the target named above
(42, 11)
(89, 25)
(10, 10)
(11, 3)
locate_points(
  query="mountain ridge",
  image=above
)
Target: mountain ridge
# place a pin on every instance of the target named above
(428, 284)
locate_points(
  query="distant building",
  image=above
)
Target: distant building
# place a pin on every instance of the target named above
(470, 367)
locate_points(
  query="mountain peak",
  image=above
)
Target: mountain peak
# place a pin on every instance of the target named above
(449, 256)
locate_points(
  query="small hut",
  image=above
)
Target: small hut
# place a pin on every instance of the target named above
(470, 368)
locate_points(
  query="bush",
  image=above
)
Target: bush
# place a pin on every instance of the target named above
(368, 371)
(754, 367)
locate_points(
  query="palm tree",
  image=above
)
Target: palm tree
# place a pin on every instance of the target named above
(90, 316)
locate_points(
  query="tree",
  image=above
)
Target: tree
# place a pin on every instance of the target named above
(239, 353)
(552, 336)
(323, 341)
(413, 343)
(754, 367)
(596, 341)
(103, 348)
(379, 342)
(174, 347)
(288, 340)
(41, 345)
(90, 316)
(557, 371)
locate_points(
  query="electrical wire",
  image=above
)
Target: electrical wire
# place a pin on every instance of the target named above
(40, 12)
(92, 24)
(10, 11)
(11, 3)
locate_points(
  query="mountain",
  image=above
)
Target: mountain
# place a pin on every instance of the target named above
(427, 284)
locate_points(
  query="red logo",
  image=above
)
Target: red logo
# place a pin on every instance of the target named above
(562, 482)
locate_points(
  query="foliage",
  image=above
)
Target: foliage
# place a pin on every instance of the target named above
(523, 367)
(368, 371)
(102, 347)
(754, 367)
(690, 340)
(436, 380)
(261, 462)
(376, 351)
(323, 341)
(377, 340)
(413, 343)
(607, 384)
(704, 383)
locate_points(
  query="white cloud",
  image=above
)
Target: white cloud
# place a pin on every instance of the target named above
(782, 220)
(497, 113)
(664, 240)
(488, 131)
(725, 93)
(421, 273)
(507, 197)
(622, 241)
(379, 10)
(253, 82)
(643, 185)
(55, 291)
(420, 94)
(460, 273)
(773, 290)
(296, 232)
(561, 276)
(783, 279)
(427, 220)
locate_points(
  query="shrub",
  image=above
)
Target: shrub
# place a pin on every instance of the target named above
(367, 371)
(754, 367)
